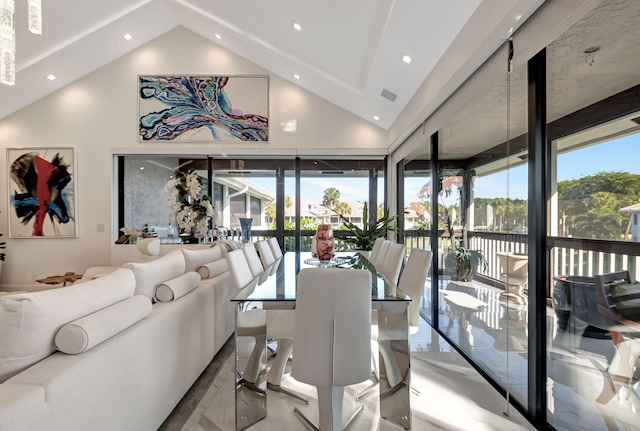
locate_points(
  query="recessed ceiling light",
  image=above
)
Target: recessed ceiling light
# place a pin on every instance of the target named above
(51, 77)
(295, 75)
(297, 26)
(217, 36)
(406, 59)
(128, 36)
(375, 117)
(142, 168)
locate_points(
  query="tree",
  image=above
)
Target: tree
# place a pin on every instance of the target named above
(589, 206)
(342, 208)
(331, 196)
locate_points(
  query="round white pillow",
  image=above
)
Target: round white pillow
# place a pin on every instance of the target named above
(85, 333)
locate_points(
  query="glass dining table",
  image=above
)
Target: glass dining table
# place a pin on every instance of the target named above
(276, 290)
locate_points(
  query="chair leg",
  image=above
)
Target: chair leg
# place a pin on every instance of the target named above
(330, 407)
(285, 347)
(305, 419)
(393, 374)
(374, 382)
(330, 400)
(276, 372)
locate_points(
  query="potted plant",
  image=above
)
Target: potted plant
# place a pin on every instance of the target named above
(460, 261)
(362, 238)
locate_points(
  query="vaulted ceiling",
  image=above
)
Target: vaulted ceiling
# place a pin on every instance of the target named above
(348, 52)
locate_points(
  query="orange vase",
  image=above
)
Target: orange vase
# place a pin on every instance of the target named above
(324, 242)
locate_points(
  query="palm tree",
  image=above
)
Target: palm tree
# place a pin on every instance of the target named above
(342, 208)
(331, 197)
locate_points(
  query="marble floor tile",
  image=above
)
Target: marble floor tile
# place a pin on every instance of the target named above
(447, 394)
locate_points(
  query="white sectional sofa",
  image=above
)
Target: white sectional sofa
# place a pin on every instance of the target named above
(127, 362)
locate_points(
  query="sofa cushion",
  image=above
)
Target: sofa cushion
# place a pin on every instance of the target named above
(29, 321)
(193, 258)
(177, 287)
(89, 331)
(149, 274)
(210, 270)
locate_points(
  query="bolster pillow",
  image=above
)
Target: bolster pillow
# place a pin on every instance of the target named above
(211, 269)
(85, 333)
(177, 287)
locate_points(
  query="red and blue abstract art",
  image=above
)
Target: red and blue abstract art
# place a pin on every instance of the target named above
(42, 192)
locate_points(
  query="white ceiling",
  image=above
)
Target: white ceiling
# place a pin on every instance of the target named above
(347, 52)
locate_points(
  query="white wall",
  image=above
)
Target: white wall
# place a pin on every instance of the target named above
(97, 115)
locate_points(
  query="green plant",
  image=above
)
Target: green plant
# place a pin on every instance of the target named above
(362, 238)
(473, 257)
(459, 250)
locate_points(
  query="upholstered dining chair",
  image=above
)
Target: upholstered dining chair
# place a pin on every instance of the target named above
(384, 247)
(280, 326)
(266, 255)
(372, 256)
(255, 265)
(250, 323)
(391, 266)
(412, 281)
(331, 348)
(275, 247)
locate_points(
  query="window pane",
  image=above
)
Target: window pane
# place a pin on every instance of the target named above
(593, 110)
(483, 232)
(244, 189)
(145, 201)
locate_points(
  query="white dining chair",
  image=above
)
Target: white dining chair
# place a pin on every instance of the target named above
(331, 348)
(412, 282)
(281, 328)
(275, 248)
(383, 252)
(391, 265)
(250, 323)
(251, 254)
(375, 250)
(266, 255)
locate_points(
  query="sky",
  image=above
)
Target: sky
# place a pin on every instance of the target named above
(622, 154)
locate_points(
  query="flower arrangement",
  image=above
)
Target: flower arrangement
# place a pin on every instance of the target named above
(185, 199)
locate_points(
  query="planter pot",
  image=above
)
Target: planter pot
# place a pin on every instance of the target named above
(458, 270)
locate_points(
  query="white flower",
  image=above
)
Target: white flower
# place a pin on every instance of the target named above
(208, 207)
(190, 211)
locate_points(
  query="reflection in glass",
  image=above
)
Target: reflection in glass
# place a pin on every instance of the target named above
(593, 130)
(483, 212)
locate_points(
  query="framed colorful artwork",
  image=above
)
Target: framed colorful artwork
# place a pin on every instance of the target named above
(42, 198)
(203, 108)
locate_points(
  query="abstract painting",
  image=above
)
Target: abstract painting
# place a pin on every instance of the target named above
(42, 192)
(203, 108)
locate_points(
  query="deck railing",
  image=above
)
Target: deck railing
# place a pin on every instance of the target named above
(569, 256)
